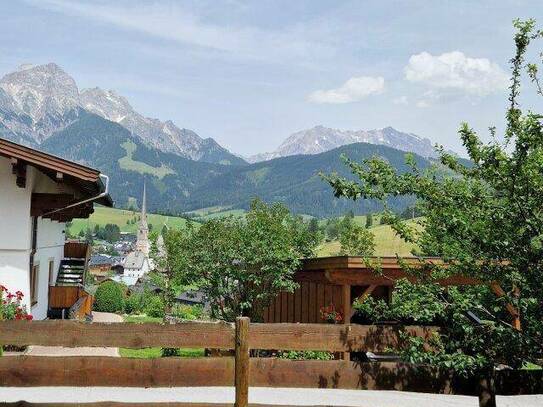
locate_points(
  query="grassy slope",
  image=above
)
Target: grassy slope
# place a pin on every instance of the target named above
(128, 163)
(386, 243)
(103, 216)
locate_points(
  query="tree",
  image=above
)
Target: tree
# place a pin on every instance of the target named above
(485, 220)
(315, 230)
(110, 233)
(355, 240)
(369, 220)
(88, 236)
(241, 264)
(332, 229)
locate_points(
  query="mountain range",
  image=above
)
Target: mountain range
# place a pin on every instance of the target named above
(43, 107)
(320, 139)
(36, 102)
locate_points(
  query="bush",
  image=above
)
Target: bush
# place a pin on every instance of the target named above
(305, 355)
(109, 297)
(134, 304)
(155, 307)
(188, 312)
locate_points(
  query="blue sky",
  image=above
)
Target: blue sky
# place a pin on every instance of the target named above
(250, 73)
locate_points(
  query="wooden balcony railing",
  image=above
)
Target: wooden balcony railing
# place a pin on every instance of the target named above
(76, 299)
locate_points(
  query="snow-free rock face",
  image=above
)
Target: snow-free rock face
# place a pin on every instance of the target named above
(36, 102)
(40, 100)
(162, 135)
(320, 139)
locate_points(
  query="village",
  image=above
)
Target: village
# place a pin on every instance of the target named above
(142, 264)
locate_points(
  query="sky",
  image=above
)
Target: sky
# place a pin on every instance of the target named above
(250, 73)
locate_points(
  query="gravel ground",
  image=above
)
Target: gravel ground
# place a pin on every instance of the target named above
(60, 351)
(261, 395)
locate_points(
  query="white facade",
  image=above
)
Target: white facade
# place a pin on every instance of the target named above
(16, 237)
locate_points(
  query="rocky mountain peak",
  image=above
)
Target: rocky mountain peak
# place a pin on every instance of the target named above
(319, 139)
(41, 90)
(106, 103)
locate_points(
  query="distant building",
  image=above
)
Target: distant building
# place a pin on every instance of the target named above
(136, 264)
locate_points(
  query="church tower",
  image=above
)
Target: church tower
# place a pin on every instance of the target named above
(142, 244)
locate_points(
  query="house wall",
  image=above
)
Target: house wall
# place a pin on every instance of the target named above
(50, 247)
(16, 236)
(15, 231)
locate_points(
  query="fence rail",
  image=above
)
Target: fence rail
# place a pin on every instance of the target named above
(240, 370)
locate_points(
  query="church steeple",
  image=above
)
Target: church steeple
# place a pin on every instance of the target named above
(144, 205)
(142, 244)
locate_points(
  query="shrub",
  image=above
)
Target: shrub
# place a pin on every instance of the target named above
(134, 304)
(155, 307)
(188, 312)
(305, 355)
(109, 297)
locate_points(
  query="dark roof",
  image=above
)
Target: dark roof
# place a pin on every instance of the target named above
(85, 179)
(98, 259)
(192, 296)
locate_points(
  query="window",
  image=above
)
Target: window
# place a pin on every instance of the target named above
(34, 272)
(51, 272)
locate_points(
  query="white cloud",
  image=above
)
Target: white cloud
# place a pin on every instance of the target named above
(402, 100)
(455, 72)
(353, 90)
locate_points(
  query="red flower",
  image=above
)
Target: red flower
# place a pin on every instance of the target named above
(18, 316)
(10, 296)
(19, 295)
(29, 317)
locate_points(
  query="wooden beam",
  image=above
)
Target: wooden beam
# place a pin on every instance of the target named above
(387, 277)
(78, 334)
(513, 311)
(18, 168)
(42, 203)
(33, 371)
(367, 292)
(332, 338)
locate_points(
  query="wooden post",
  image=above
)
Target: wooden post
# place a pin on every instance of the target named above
(487, 393)
(346, 290)
(242, 362)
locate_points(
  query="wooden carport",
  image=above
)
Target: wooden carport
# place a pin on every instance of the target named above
(339, 281)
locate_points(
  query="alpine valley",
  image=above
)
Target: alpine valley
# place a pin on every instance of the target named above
(42, 107)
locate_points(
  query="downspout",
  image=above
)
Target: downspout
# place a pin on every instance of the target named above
(94, 198)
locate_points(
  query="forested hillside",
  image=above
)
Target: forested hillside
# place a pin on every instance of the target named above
(177, 184)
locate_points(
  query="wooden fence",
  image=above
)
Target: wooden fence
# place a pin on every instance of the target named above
(240, 371)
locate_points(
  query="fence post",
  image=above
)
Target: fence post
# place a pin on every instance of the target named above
(487, 392)
(242, 362)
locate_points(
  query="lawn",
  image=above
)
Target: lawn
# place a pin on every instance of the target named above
(152, 353)
(120, 217)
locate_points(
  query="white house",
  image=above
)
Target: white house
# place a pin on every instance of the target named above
(39, 193)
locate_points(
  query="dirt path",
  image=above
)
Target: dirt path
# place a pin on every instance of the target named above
(61, 351)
